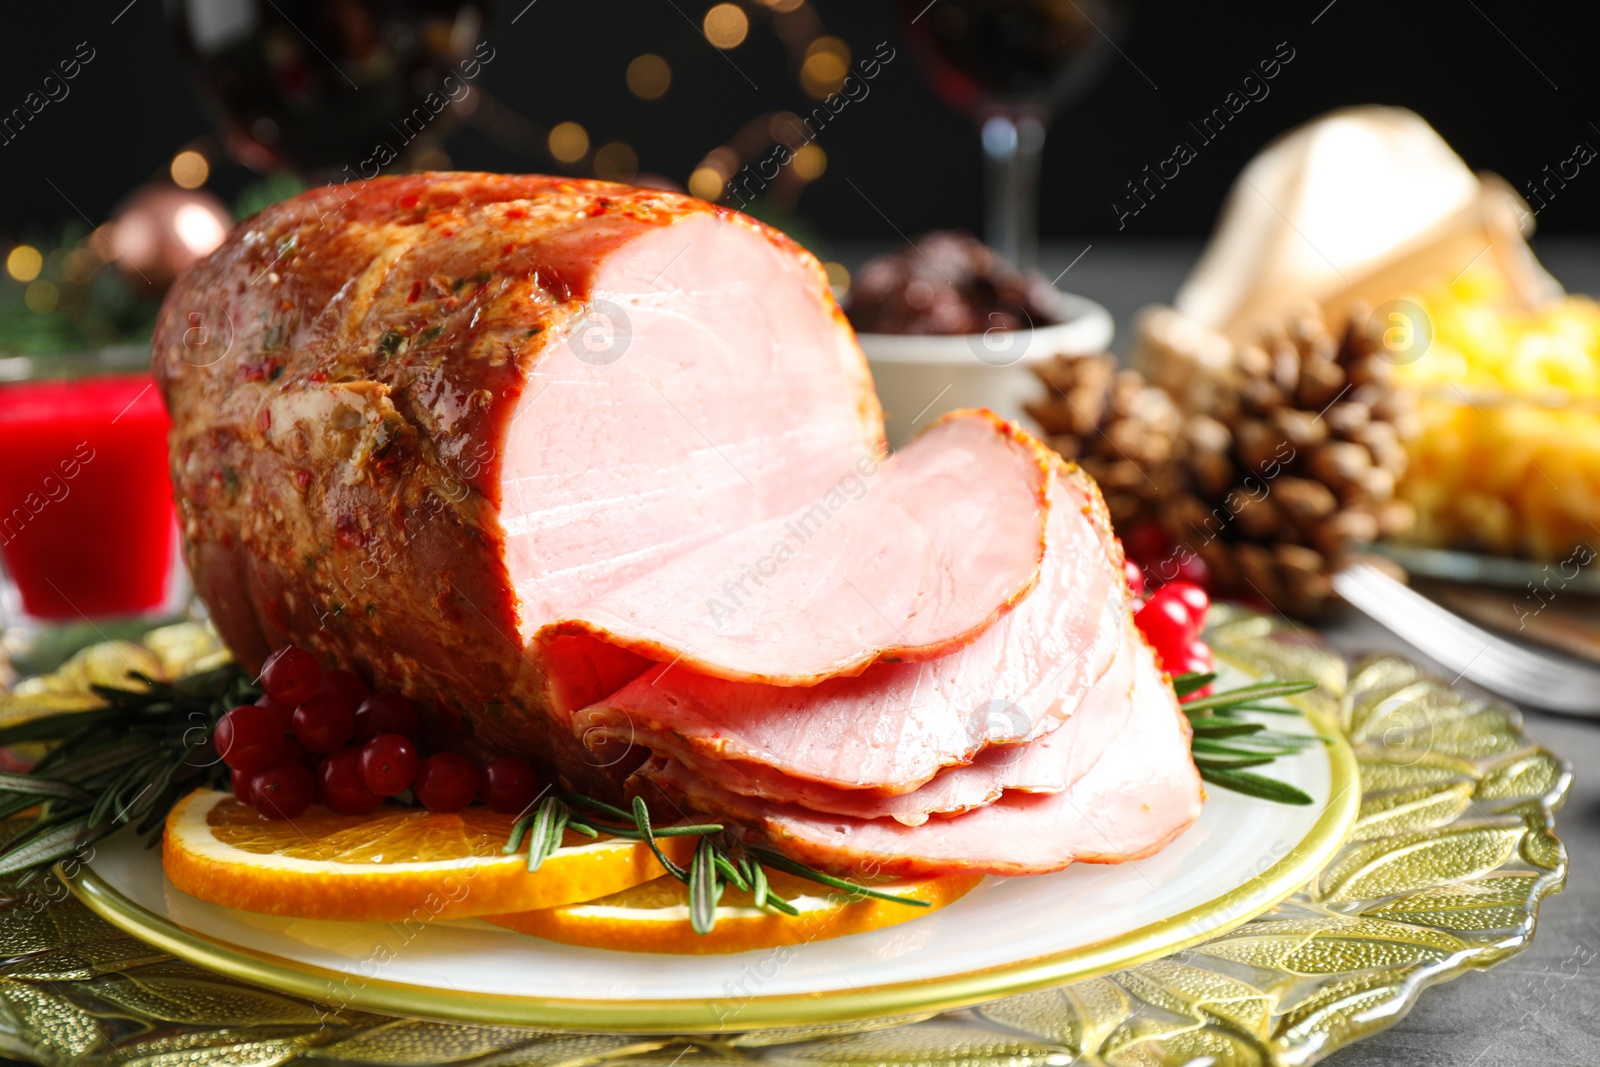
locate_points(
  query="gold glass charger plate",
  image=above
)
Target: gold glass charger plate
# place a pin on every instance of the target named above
(1451, 852)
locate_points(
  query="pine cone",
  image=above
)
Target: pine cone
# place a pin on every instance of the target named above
(1118, 429)
(1271, 462)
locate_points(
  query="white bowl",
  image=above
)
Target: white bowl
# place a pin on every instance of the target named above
(922, 376)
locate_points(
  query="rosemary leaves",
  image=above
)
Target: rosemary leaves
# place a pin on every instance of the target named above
(125, 764)
(1225, 745)
(719, 860)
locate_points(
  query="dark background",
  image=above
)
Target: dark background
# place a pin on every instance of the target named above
(1509, 84)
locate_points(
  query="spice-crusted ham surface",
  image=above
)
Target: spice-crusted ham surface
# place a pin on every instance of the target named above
(908, 561)
(415, 419)
(893, 727)
(1141, 792)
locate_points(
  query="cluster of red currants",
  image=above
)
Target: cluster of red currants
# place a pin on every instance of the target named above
(1148, 545)
(323, 735)
(1171, 619)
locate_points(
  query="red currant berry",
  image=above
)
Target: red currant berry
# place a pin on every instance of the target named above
(342, 789)
(284, 713)
(282, 791)
(294, 750)
(239, 782)
(510, 784)
(1193, 569)
(1165, 623)
(389, 763)
(1135, 575)
(291, 675)
(1191, 596)
(249, 738)
(324, 723)
(446, 782)
(387, 713)
(345, 684)
(1147, 544)
(1199, 652)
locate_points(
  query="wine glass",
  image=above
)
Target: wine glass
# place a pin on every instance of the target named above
(1010, 64)
(333, 90)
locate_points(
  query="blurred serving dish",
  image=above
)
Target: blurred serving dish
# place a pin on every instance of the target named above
(947, 323)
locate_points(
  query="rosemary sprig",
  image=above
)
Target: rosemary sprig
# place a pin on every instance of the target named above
(125, 764)
(1255, 692)
(719, 861)
(1224, 745)
(705, 888)
(1193, 682)
(789, 866)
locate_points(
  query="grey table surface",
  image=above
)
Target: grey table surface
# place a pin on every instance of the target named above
(1542, 1007)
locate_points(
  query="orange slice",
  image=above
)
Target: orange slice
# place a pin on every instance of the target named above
(654, 917)
(390, 866)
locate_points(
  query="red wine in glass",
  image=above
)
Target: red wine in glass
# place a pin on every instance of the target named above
(321, 87)
(1010, 64)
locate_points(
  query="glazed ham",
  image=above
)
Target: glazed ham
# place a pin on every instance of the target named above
(597, 475)
(417, 419)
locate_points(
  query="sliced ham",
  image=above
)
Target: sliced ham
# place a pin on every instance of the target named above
(896, 725)
(1047, 764)
(903, 562)
(1141, 792)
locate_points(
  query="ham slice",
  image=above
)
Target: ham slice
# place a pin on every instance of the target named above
(1047, 764)
(895, 726)
(906, 562)
(1141, 792)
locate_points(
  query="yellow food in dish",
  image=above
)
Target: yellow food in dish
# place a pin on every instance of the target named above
(1506, 454)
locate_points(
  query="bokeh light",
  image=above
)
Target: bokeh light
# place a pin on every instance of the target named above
(726, 25)
(24, 263)
(838, 278)
(569, 142)
(41, 297)
(649, 76)
(810, 162)
(616, 162)
(706, 183)
(200, 231)
(189, 169)
(826, 64)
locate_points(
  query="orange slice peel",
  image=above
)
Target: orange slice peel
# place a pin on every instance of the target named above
(654, 916)
(392, 865)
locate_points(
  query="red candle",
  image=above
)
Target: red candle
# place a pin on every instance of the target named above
(86, 516)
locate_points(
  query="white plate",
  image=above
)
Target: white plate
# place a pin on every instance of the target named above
(1007, 935)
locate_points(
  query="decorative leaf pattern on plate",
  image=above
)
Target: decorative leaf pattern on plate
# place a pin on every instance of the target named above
(1453, 852)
